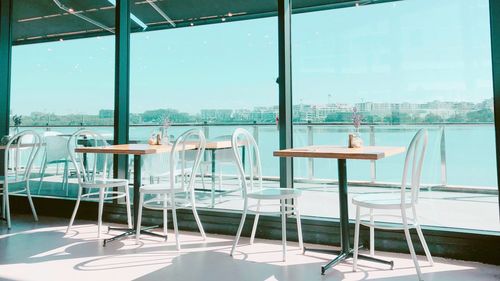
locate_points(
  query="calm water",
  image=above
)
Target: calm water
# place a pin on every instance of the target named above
(470, 151)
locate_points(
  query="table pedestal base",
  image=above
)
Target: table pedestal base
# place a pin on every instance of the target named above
(130, 231)
(342, 256)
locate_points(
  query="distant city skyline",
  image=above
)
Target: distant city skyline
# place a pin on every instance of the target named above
(393, 113)
(383, 53)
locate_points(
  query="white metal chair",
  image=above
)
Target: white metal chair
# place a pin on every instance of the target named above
(403, 201)
(55, 152)
(253, 189)
(222, 158)
(93, 172)
(175, 194)
(20, 153)
(155, 168)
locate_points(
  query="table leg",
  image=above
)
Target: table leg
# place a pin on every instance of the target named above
(213, 177)
(345, 246)
(344, 209)
(135, 208)
(137, 186)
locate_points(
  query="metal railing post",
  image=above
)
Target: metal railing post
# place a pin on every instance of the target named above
(444, 178)
(310, 141)
(256, 132)
(206, 130)
(373, 164)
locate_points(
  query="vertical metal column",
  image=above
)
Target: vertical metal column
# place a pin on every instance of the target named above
(285, 89)
(122, 84)
(5, 68)
(5, 64)
(495, 57)
(310, 141)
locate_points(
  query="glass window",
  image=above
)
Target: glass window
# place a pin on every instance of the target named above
(401, 73)
(215, 78)
(57, 89)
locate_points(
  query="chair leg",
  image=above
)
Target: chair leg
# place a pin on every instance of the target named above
(422, 239)
(65, 177)
(42, 175)
(424, 245)
(220, 178)
(176, 229)
(202, 173)
(3, 205)
(139, 219)
(240, 228)
(283, 227)
(99, 215)
(299, 224)
(212, 193)
(165, 215)
(7, 205)
(76, 209)
(197, 218)
(127, 203)
(30, 200)
(356, 240)
(255, 222)
(410, 244)
(372, 234)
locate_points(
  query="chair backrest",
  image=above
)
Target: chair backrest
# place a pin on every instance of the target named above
(224, 155)
(412, 170)
(50, 133)
(20, 153)
(89, 166)
(55, 148)
(253, 178)
(221, 155)
(192, 137)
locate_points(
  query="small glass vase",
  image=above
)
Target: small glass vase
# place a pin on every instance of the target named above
(165, 138)
(355, 140)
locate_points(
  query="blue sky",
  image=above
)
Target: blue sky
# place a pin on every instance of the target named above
(409, 51)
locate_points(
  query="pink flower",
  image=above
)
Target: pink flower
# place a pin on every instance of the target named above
(356, 118)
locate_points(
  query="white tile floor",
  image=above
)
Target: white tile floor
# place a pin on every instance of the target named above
(42, 251)
(435, 208)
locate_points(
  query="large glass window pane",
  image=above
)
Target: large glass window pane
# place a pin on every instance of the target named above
(58, 88)
(216, 78)
(404, 65)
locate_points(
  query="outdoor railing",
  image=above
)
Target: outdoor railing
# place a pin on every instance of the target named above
(369, 131)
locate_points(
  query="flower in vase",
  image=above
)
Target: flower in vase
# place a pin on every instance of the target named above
(356, 118)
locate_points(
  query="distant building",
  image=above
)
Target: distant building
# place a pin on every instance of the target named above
(106, 113)
(216, 114)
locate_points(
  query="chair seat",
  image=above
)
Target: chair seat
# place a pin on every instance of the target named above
(274, 193)
(59, 161)
(177, 172)
(381, 201)
(105, 183)
(160, 188)
(12, 179)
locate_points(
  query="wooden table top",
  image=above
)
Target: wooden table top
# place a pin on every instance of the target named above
(219, 144)
(3, 147)
(142, 149)
(131, 149)
(341, 152)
